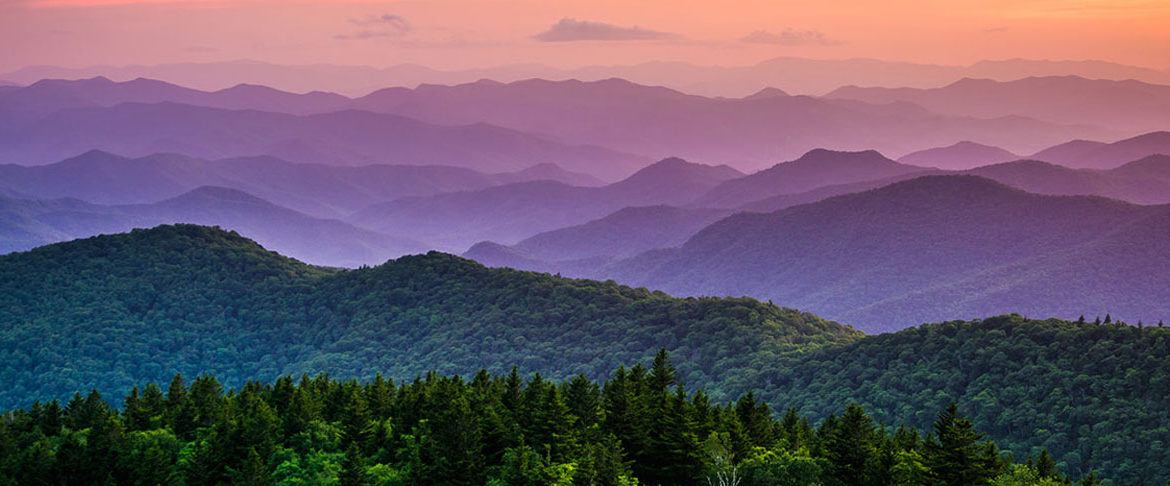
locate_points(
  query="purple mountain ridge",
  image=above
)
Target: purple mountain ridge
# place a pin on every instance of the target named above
(338, 138)
(510, 213)
(976, 247)
(315, 189)
(1130, 106)
(749, 133)
(960, 156)
(817, 168)
(1083, 154)
(30, 223)
(577, 250)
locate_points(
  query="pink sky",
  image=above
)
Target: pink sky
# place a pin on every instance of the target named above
(455, 34)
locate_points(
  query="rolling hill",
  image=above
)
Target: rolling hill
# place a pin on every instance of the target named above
(750, 133)
(509, 213)
(928, 249)
(202, 300)
(815, 169)
(1084, 154)
(316, 189)
(337, 138)
(1130, 106)
(960, 156)
(119, 310)
(577, 250)
(32, 223)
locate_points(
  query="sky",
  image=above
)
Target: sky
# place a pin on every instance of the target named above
(461, 34)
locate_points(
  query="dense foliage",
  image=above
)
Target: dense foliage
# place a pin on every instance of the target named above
(112, 311)
(639, 427)
(1096, 394)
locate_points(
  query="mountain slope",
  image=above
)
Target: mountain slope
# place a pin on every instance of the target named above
(316, 189)
(815, 169)
(201, 300)
(338, 138)
(960, 156)
(577, 250)
(1097, 390)
(862, 258)
(1129, 105)
(1145, 181)
(750, 133)
(46, 96)
(115, 311)
(1082, 154)
(510, 213)
(31, 223)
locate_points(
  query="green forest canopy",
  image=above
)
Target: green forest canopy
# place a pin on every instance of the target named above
(114, 311)
(639, 427)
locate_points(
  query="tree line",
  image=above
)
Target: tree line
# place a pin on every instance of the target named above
(640, 426)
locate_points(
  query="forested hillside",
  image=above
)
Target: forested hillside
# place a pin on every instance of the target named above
(639, 427)
(116, 311)
(112, 311)
(1096, 394)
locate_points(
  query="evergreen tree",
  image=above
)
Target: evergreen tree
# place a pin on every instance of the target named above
(353, 468)
(955, 454)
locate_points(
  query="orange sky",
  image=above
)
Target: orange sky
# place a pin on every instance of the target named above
(479, 33)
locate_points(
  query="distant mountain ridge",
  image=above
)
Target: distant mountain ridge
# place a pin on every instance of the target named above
(925, 249)
(960, 156)
(793, 74)
(315, 189)
(748, 133)
(1084, 154)
(815, 169)
(25, 224)
(1127, 105)
(509, 213)
(337, 138)
(580, 249)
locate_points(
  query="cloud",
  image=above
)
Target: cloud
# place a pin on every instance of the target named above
(377, 26)
(995, 30)
(790, 37)
(569, 30)
(386, 21)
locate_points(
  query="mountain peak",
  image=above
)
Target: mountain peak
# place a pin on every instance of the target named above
(768, 92)
(819, 155)
(218, 193)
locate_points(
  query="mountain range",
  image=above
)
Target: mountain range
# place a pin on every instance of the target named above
(488, 125)
(337, 138)
(792, 74)
(319, 190)
(115, 311)
(749, 133)
(1084, 154)
(512, 212)
(960, 156)
(930, 248)
(31, 223)
(1127, 105)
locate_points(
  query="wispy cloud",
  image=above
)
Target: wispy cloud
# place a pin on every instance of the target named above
(570, 30)
(387, 21)
(377, 26)
(791, 37)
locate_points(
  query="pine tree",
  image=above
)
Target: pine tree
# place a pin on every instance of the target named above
(1046, 466)
(850, 446)
(252, 471)
(955, 455)
(353, 468)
